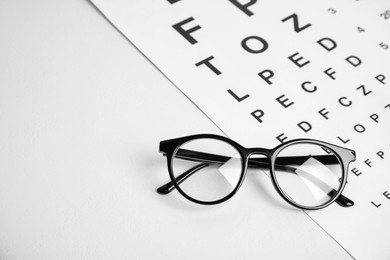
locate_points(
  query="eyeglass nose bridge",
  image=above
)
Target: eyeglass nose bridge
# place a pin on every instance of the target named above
(259, 162)
(260, 151)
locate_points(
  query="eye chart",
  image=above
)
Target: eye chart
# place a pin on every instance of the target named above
(268, 71)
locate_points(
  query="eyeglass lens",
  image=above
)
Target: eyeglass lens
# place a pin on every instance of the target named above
(212, 169)
(308, 174)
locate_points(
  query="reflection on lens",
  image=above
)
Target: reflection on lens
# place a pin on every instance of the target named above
(207, 169)
(308, 174)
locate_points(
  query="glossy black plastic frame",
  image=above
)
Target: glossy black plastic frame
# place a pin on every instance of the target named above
(171, 147)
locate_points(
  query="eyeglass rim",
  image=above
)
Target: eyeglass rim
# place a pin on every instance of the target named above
(342, 154)
(170, 147)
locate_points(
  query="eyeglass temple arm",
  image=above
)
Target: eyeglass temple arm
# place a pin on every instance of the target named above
(196, 156)
(206, 159)
(168, 187)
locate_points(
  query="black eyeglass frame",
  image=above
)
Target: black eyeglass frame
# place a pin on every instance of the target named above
(344, 155)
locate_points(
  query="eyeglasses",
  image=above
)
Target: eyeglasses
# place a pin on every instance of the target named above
(209, 169)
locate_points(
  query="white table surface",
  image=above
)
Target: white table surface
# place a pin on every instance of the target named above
(81, 116)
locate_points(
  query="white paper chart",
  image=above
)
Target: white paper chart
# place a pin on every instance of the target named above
(268, 71)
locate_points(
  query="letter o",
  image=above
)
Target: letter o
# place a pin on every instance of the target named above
(263, 42)
(359, 128)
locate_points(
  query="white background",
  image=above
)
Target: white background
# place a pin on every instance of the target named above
(81, 116)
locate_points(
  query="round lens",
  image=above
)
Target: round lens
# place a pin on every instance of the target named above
(308, 174)
(207, 169)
